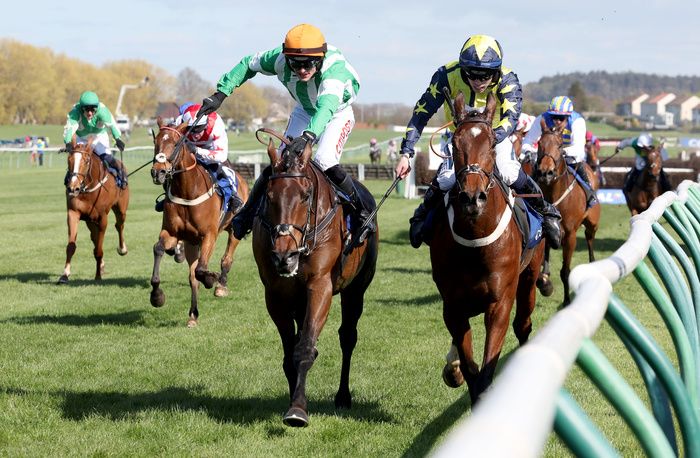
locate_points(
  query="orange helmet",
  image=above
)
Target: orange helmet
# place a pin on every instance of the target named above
(304, 40)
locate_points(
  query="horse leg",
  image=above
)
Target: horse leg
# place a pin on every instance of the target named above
(226, 261)
(318, 303)
(97, 234)
(591, 224)
(202, 272)
(165, 241)
(73, 218)
(283, 317)
(460, 329)
(496, 323)
(568, 247)
(544, 281)
(352, 303)
(119, 210)
(192, 254)
(526, 297)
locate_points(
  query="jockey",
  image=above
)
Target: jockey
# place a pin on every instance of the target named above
(324, 85)
(374, 150)
(91, 117)
(642, 145)
(211, 142)
(592, 139)
(561, 114)
(476, 74)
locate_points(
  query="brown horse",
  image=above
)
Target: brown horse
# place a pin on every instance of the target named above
(647, 186)
(478, 261)
(192, 214)
(561, 188)
(525, 163)
(298, 242)
(592, 151)
(91, 191)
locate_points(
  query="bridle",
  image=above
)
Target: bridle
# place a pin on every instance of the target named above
(472, 169)
(304, 247)
(175, 158)
(541, 154)
(84, 178)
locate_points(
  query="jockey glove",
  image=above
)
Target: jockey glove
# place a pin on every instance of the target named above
(298, 144)
(120, 145)
(69, 148)
(211, 103)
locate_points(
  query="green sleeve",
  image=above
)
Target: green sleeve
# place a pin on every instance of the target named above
(71, 126)
(106, 116)
(247, 68)
(325, 109)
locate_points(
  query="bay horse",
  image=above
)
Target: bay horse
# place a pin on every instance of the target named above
(647, 186)
(560, 187)
(191, 214)
(478, 260)
(91, 192)
(298, 241)
(592, 151)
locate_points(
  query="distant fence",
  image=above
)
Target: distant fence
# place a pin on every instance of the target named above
(527, 401)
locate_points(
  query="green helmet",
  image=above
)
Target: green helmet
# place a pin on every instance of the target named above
(89, 98)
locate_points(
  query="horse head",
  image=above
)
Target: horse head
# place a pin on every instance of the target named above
(78, 177)
(165, 157)
(550, 157)
(288, 208)
(474, 156)
(654, 163)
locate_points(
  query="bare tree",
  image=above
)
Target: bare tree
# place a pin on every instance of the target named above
(191, 87)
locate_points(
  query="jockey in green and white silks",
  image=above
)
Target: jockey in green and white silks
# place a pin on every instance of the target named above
(477, 73)
(90, 117)
(324, 85)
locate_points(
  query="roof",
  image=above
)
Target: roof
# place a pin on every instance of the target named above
(658, 98)
(633, 98)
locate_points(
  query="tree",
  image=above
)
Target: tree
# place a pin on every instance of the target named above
(578, 96)
(246, 103)
(191, 87)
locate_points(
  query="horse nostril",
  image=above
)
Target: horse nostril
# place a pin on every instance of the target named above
(482, 196)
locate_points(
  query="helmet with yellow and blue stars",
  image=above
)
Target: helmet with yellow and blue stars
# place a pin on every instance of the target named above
(481, 52)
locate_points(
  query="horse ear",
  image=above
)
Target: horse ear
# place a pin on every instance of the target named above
(543, 125)
(272, 152)
(91, 139)
(490, 106)
(459, 104)
(182, 127)
(159, 120)
(306, 154)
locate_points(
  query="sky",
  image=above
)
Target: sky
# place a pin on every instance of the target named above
(394, 46)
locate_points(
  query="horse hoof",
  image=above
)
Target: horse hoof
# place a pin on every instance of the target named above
(179, 257)
(545, 286)
(157, 298)
(221, 291)
(296, 418)
(343, 401)
(191, 323)
(122, 252)
(208, 279)
(452, 375)
(62, 280)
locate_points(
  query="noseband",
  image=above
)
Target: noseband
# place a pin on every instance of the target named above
(557, 161)
(86, 177)
(472, 169)
(285, 229)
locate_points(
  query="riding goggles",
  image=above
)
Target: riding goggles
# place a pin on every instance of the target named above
(90, 108)
(559, 117)
(304, 62)
(479, 74)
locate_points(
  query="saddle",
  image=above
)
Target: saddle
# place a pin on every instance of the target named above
(223, 186)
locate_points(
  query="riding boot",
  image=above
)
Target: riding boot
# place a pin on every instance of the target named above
(551, 216)
(591, 198)
(433, 196)
(234, 202)
(119, 167)
(340, 178)
(630, 179)
(242, 222)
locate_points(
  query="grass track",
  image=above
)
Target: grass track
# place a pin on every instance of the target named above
(93, 369)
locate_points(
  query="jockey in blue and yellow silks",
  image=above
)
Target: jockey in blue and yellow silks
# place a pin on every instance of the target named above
(561, 114)
(477, 73)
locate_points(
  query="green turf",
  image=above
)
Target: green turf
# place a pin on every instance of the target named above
(93, 369)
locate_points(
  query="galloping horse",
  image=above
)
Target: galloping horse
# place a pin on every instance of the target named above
(298, 239)
(192, 214)
(91, 191)
(592, 150)
(477, 255)
(647, 186)
(560, 187)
